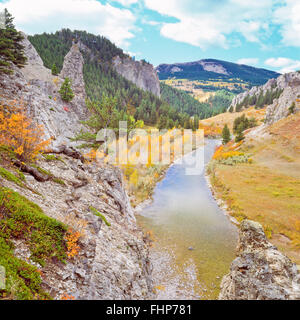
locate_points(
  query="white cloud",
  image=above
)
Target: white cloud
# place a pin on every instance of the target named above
(126, 2)
(248, 61)
(35, 16)
(287, 65)
(289, 19)
(210, 22)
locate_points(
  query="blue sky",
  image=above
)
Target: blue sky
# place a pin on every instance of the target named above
(261, 33)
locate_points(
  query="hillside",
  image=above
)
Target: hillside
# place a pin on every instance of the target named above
(109, 71)
(265, 188)
(185, 103)
(280, 96)
(208, 71)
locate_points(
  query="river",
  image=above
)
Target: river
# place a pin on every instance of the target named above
(194, 242)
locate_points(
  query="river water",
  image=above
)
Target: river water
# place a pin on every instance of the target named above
(194, 242)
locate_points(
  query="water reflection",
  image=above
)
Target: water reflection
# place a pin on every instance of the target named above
(193, 237)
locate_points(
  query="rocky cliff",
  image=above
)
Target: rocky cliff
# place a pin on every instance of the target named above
(140, 73)
(260, 271)
(112, 261)
(73, 69)
(37, 89)
(288, 83)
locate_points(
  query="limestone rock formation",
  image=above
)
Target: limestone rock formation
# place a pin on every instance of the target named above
(73, 69)
(35, 86)
(260, 271)
(113, 260)
(289, 83)
(138, 72)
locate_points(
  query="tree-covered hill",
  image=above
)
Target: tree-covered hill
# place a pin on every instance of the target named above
(185, 103)
(211, 69)
(102, 80)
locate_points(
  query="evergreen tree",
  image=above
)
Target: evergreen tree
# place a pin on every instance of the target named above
(226, 134)
(11, 48)
(54, 70)
(240, 136)
(65, 91)
(196, 123)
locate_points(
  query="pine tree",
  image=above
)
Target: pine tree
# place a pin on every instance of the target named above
(240, 137)
(65, 91)
(226, 134)
(54, 70)
(11, 48)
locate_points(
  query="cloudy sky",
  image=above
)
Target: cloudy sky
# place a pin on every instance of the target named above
(261, 33)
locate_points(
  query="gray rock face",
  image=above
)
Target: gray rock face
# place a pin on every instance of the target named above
(260, 271)
(142, 74)
(73, 69)
(289, 83)
(35, 86)
(112, 261)
(213, 67)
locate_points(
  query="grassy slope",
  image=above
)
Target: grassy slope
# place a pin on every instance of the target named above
(228, 118)
(268, 191)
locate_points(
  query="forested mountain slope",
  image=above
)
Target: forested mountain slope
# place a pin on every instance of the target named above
(210, 69)
(101, 78)
(185, 103)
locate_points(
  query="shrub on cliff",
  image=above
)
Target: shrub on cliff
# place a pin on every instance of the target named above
(66, 91)
(20, 134)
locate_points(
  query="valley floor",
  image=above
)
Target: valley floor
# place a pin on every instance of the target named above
(268, 189)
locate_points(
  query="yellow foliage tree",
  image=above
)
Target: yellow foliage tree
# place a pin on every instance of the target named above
(134, 178)
(21, 134)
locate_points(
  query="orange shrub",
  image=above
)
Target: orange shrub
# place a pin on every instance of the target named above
(72, 243)
(221, 153)
(65, 296)
(20, 133)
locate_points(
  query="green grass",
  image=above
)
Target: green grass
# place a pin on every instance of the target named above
(24, 220)
(98, 214)
(10, 177)
(52, 157)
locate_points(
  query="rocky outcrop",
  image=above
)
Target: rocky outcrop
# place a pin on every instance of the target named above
(73, 69)
(289, 84)
(37, 89)
(260, 271)
(112, 262)
(142, 74)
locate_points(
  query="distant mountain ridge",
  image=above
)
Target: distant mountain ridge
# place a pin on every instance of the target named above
(212, 69)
